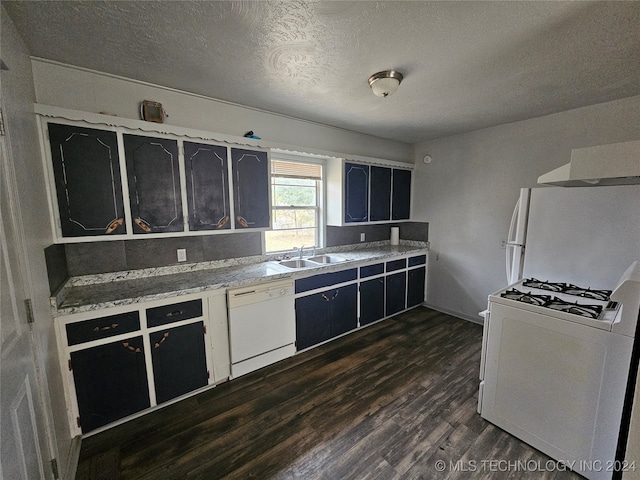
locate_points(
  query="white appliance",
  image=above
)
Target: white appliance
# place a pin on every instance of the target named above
(550, 373)
(555, 367)
(613, 164)
(262, 328)
(586, 236)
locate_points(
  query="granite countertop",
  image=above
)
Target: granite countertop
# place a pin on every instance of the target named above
(97, 292)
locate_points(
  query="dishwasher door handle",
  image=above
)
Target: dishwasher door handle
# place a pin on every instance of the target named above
(244, 293)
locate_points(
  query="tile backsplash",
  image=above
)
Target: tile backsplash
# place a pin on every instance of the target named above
(76, 259)
(102, 257)
(349, 235)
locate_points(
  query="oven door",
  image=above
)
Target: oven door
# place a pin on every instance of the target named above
(557, 385)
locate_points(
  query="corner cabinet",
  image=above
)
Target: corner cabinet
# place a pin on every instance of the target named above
(367, 193)
(124, 361)
(124, 178)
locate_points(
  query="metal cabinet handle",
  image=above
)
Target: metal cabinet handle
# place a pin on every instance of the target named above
(175, 313)
(336, 294)
(164, 337)
(131, 347)
(106, 327)
(242, 221)
(325, 297)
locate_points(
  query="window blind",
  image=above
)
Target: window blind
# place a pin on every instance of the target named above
(280, 168)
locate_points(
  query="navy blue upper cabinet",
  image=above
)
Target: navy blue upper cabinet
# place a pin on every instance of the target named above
(250, 188)
(154, 184)
(87, 176)
(401, 201)
(356, 193)
(207, 186)
(380, 194)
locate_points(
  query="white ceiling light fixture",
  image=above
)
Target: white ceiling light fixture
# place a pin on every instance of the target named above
(385, 83)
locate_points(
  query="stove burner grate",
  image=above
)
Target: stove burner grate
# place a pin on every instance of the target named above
(544, 285)
(590, 311)
(530, 298)
(568, 289)
(602, 295)
(555, 303)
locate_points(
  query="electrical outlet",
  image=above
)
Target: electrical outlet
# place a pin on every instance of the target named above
(503, 244)
(182, 254)
(362, 236)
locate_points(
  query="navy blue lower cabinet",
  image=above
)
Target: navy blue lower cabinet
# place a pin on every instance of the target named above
(111, 382)
(324, 315)
(343, 309)
(415, 287)
(396, 290)
(371, 300)
(312, 320)
(179, 360)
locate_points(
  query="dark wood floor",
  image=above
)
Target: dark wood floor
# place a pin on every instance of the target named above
(387, 402)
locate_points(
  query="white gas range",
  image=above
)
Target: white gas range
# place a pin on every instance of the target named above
(555, 366)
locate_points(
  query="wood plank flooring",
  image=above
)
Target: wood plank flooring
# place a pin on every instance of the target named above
(390, 401)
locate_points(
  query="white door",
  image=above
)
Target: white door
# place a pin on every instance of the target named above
(24, 451)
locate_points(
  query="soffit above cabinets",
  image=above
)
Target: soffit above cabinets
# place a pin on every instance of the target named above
(466, 65)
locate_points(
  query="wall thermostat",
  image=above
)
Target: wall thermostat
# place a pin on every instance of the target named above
(427, 159)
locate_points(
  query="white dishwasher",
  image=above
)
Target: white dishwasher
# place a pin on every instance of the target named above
(262, 325)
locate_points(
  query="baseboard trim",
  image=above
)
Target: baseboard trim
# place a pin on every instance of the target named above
(461, 315)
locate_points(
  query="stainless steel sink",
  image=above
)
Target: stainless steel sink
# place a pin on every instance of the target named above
(297, 263)
(326, 259)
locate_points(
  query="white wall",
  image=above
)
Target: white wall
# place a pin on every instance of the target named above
(467, 193)
(18, 96)
(89, 91)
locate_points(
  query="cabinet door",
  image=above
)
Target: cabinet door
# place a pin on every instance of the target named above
(380, 183)
(396, 289)
(179, 360)
(343, 309)
(207, 186)
(87, 175)
(154, 184)
(371, 300)
(401, 202)
(312, 320)
(356, 193)
(250, 188)
(111, 382)
(415, 287)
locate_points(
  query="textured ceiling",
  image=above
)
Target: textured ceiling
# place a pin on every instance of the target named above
(467, 65)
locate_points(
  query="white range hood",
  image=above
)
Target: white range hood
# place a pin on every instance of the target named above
(614, 164)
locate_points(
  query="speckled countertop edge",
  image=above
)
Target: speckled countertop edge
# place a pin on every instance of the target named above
(97, 292)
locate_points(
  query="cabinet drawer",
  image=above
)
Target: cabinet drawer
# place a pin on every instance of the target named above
(396, 265)
(371, 270)
(419, 260)
(103, 327)
(174, 313)
(325, 280)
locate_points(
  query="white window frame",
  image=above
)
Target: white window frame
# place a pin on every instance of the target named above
(320, 197)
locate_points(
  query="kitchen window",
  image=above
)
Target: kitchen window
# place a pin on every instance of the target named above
(296, 205)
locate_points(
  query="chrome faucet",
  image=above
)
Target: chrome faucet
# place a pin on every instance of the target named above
(299, 250)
